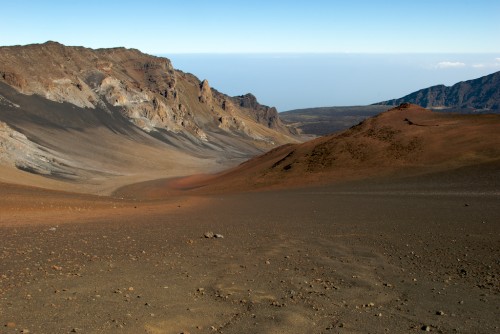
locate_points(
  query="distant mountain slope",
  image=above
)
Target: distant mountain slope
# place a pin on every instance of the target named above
(404, 140)
(81, 114)
(477, 94)
(326, 120)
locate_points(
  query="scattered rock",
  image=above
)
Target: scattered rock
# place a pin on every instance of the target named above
(10, 324)
(210, 235)
(439, 313)
(426, 328)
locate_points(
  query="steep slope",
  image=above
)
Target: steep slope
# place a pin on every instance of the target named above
(147, 89)
(81, 114)
(83, 149)
(477, 94)
(405, 139)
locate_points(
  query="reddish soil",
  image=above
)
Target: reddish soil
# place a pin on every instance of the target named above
(388, 227)
(361, 257)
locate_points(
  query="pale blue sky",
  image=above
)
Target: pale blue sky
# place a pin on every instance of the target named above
(221, 26)
(374, 50)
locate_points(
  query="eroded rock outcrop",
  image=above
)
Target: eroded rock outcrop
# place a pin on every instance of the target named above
(205, 92)
(18, 151)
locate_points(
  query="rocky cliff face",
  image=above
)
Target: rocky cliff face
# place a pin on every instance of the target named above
(478, 94)
(148, 90)
(108, 116)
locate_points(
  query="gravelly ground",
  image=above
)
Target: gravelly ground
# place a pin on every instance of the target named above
(325, 260)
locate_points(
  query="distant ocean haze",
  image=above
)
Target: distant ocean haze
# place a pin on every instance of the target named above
(294, 81)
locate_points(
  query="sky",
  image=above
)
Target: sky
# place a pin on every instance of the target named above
(290, 54)
(258, 26)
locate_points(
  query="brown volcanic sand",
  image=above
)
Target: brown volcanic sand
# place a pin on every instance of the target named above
(405, 139)
(362, 257)
(387, 254)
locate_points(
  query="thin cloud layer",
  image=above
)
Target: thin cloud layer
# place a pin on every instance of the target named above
(489, 65)
(450, 64)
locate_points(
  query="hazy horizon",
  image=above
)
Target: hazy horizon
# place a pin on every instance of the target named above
(305, 80)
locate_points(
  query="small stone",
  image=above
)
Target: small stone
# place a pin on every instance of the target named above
(268, 262)
(439, 313)
(218, 236)
(76, 330)
(426, 328)
(25, 331)
(131, 288)
(10, 324)
(209, 235)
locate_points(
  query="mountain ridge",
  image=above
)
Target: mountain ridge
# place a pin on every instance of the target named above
(477, 94)
(52, 95)
(148, 87)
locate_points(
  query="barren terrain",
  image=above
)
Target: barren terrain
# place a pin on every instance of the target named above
(387, 255)
(390, 226)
